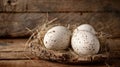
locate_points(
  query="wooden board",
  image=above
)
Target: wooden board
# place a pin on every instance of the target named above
(18, 55)
(12, 45)
(59, 5)
(17, 15)
(14, 48)
(12, 54)
(41, 63)
(114, 48)
(15, 24)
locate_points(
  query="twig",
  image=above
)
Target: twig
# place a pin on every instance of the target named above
(52, 20)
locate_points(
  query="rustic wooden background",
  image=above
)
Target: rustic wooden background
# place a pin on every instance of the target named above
(17, 15)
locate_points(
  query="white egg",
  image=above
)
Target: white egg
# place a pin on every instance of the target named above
(57, 38)
(85, 43)
(85, 27)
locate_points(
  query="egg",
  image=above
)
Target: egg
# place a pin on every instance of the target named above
(57, 38)
(86, 27)
(85, 43)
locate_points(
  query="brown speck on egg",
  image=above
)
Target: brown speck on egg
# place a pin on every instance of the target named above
(86, 36)
(92, 46)
(79, 41)
(89, 49)
(46, 42)
(83, 47)
(54, 40)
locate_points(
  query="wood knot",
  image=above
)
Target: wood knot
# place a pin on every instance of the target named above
(9, 2)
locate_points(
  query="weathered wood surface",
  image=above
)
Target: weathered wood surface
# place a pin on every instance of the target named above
(15, 24)
(58, 5)
(14, 48)
(12, 54)
(42, 63)
(19, 55)
(12, 45)
(114, 48)
(17, 15)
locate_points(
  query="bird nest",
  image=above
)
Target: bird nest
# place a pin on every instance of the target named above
(38, 49)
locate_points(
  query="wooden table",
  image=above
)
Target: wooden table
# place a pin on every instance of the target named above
(12, 54)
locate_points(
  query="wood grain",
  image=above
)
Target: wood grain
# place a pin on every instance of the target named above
(13, 55)
(114, 48)
(17, 15)
(59, 5)
(15, 24)
(16, 55)
(13, 5)
(12, 45)
(14, 48)
(41, 63)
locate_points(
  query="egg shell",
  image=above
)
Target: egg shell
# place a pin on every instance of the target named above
(57, 38)
(85, 43)
(85, 27)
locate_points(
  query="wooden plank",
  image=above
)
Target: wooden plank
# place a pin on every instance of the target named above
(16, 55)
(58, 5)
(114, 48)
(13, 5)
(70, 5)
(12, 45)
(17, 58)
(41, 63)
(15, 24)
(15, 49)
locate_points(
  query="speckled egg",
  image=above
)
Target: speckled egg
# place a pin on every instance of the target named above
(85, 43)
(85, 27)
(57, 38)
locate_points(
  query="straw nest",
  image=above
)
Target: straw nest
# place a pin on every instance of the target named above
(36, 47)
